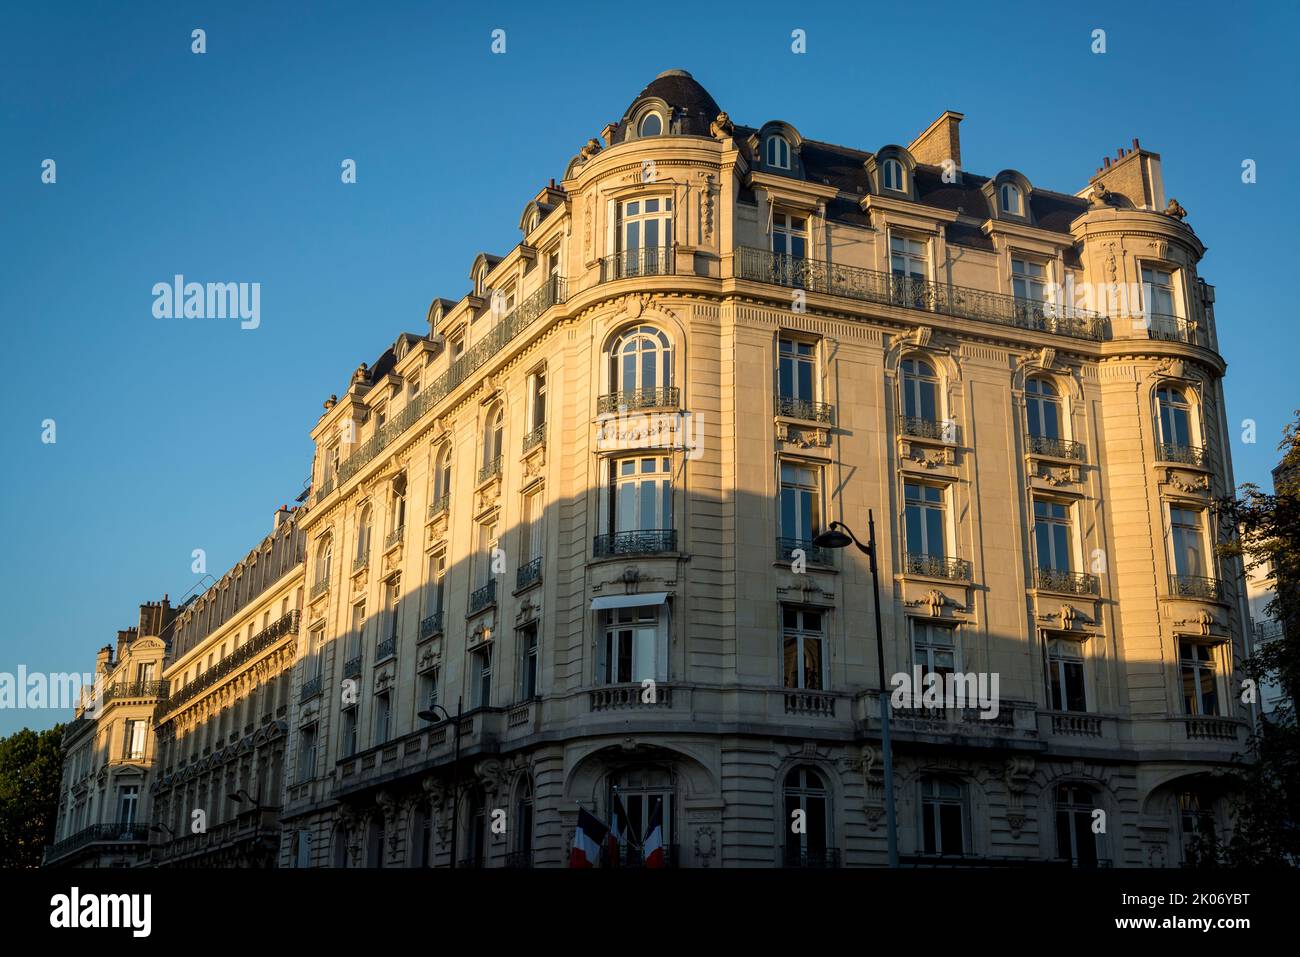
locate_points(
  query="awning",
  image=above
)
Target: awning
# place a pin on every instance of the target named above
(629, 601)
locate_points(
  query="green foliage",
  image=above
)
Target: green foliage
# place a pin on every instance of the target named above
(31, 767)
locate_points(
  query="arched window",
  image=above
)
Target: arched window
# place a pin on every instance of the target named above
(1176, 432)
(1012, 200)
(652, 124)
(480, 278)
(1043, 409)
(325, 560)
(1075, 840)
(640, 363)
(920, 391)
(778, 152)
(807, 820)
(943, 817)
(365, 523)
(493, 441)
(892, 175)
(441, 480)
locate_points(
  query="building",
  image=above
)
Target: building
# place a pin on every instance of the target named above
(1261, 589)
(581, 506)
(109, 751)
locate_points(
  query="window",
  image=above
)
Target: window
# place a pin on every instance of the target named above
(348, 736)
(1028, 280)
(778, 152)
(441, 480)
(483, 677)
(1066, 687)
(476, 821)
(357, 631)
(537, 399)
(144, 673)
(383, 717)
(640, 361)
(302, 848)
(530, 529)
(428, 690)
(797, 369)
(907, 264)
(1053, 535)
(487, 545)
(644, 792)
(493, 441)
(333, 457)
(789, 235)
(1196, 824)
(652, 124)
(307, 753)
(134, 740)
(1200, 685)
(381, 416)
(805, 664)
(392, 607)
(943, 817)
(1075, 840)
(364, 526)
(892, 175)
(641, 494)
(397, 506)
(128, 802)
(800, 505)
(635, 646)
(435, 587)
(1175, 419)
(1187, 540)
(1043, 409)
(527, 662)
(646, 234)
(924, 520)
(1158, 294)
(934, 649)
(1011, 200)
(920, 391)
(457, 344)
(480, 280)
(312, 661)
(324, 561)
(805, 792)
(524, 822)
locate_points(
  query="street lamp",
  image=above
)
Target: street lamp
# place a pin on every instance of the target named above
(431, 714)
(240, 796)
(839, 535)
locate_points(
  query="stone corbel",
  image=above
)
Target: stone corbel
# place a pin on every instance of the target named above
(935, 601)
(1016, 773)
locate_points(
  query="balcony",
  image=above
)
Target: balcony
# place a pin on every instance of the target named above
(284, 625)
(1210, 729)
(814, 703)
(1076, 724)
(665, 398)
(394, 537)
(135, 689)
(937, 566)
(1182, 454)
(490, 471)
(1194, 586)
(868, 285)
(439, 505)
(122, 832)
(519, 860)
(620, 697)
(646, 541)
(824, 858)
(484, 597)
(529, 574)
(534, 438)
(651, 261)
(804, 409)
(359, 563)
(431, 626)
(352, 667)
(634, 857)
(786, 547)
(1066, 582)
(1056, 448)
(1268, 630)
(552, 292)
(310, 688)
(321, 587)
(1170, 328)
(927, 429)
(386, 649)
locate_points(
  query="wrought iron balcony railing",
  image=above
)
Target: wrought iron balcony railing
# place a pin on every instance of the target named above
(483, 597)
(1169, 328)
(439, 505)
(868, 285)
(646, 541)
(490, 470)
(310, 688)
(804, 409)
(1068, 582)
(321, 587)
(650, 261)
(940, 431)
(529, 574)
(432, 625)
(395, 536)
(483, 351)
(352, 667)
(786, 548)
(386, 648)
(629, 856)
(135, 689)
(1058, 448)
(937, 566)
(1196, 586)
(535, 438)
(121, 832)
(824, 858)
(1268, 629)
(665, 398)
(360, 562)
(1182, 454)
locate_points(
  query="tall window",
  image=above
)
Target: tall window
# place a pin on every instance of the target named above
(1066, 686)
(1200, 684)
(790, 235)
(324, 560)
(435, 587)
(647, 234)
(144, 673)
(907, 258)
(364, 526)
(920, 390)
(943, 817)
(1187, 538)
(348, 735)
(483, 676)
(302, 848)
(1053, 535)
(891, 174)
(128, 802)
(640, 360)
(1158, 294)
(476, 820)
(428, 690)
(797, 369)
(357, 630)
(537, 399)
(1028, 280)
(1011, 199)
(924, 520)
(634, 647)
(524, 821)
(805, 664)
(644, 791)
(1075, 840)
(307, 753)
(530, 528)
(805, 792)
(1043, 409)
(778, 152)
(934, 648)
(315, 645)
(1175, 418)
(800, 505)
(1195, 822)
(493, 440)
(487, 546)
(527, 662)
(441, 479)
(392, 605)
(642, 494)
(134, 740)
(383, 717)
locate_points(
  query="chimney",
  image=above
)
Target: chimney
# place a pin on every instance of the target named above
(282, 514)
(1133, 174)
(124, 639)
(104, 660)
(940, 141)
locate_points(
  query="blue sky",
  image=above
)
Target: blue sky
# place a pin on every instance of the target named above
(180, 435)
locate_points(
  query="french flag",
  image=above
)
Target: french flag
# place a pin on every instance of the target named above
(587, 840)
(617, 830)
(654, 839)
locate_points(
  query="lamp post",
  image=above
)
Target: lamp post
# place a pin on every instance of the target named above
(433, 713)
(839, 535)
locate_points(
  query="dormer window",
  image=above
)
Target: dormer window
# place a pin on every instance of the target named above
(1012, 201)
(652, 124)
(891, 171)
(480, 277)
(532, 222)
(778, 152)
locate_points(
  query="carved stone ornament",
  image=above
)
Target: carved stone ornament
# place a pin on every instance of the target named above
(721, 128)
(922, 335)
(1100, 196)
(592, 147)
(935, 601)
(332, 401)
(803, 438)
(362, 375)
(1175, 209)
(1203, 620)
(1047, 357)
(1016, 773)
(1190, 485)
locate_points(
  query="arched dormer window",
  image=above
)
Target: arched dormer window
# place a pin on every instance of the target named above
(1010, 200)
(777, 152)
(480, 280)
(640, 365)
(365, 525)
(652, 124)
(893, 176)
(1008, 196)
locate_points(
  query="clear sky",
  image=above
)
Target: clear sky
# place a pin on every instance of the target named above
(177, 435)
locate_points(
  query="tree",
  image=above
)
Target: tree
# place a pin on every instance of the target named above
(31, 768)
(1267, 809)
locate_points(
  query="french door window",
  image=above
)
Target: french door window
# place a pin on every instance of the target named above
(925, 520)
(805, 666)
(1175, 418)
(1067, 687)
(1200, 684)
(634, 648)
(907, 264)
(920, 391)
(1075, 840)
(1028, 280)
(790, 235)
(805, 792)
(1187, 539)
(1043, 409)
(646, 235)
(934, 649)
(1053, 535)
(797, 370)
(641, 494)
(943, 817)
(800, 505)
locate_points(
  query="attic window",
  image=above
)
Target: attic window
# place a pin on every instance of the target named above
(532, 221)
(778, 152)
(479, 277)
(1011, 201)
(891, 171)
(652, 124)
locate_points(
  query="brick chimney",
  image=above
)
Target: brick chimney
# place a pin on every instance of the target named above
(1133, 174)
(124, 639)
(156, 617)
(940, 141)
(104, 660)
